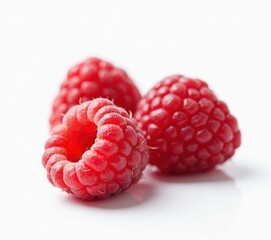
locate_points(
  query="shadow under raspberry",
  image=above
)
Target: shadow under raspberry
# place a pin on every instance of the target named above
(215, 175)
(135, 195)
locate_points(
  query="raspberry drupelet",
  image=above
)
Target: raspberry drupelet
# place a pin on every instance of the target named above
(96, 152)
(91, 79)
(187, 128)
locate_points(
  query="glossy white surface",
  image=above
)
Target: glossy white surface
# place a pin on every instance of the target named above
(227, 43)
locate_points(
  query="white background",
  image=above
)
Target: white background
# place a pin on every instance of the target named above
(226, 43)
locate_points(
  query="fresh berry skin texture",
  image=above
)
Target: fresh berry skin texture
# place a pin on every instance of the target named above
(186, 127)
(91, 79)
(96, 152)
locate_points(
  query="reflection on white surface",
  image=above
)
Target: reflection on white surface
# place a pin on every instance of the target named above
(218, 204)
(210, 201)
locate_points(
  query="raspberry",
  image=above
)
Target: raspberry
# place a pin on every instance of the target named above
(91, 79)
(187, 128)
(97, 151)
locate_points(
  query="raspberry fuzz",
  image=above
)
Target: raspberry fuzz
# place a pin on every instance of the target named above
(97, 151)
(188, 129)
(91, 79)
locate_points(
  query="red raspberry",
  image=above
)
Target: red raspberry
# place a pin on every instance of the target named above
(91, 79)
(188, 129)
(97, 151)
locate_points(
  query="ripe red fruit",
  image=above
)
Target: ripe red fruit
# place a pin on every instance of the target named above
(188, 129)
(97, 151)
(91, 79)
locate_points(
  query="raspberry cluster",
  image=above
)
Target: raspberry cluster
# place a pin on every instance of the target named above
(188, 129)
(97, 151)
